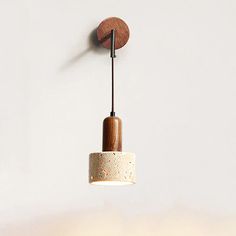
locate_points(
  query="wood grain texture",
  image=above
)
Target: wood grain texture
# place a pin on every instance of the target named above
(112, 134)
(121, 30)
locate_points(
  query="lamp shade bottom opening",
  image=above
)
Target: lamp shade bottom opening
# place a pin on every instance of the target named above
(111, 183)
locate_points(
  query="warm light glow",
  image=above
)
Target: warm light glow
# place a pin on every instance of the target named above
(112, 183)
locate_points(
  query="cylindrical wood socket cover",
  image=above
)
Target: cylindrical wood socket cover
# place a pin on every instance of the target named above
(112, 134)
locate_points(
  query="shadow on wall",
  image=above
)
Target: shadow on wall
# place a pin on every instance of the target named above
(93, 45)
(100, 223)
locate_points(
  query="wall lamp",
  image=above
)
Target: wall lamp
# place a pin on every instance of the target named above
(112, 166)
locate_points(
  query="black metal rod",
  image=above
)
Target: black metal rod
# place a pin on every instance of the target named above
(112, 72)
(113, 37)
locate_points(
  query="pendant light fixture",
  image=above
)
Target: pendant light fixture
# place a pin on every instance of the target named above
(112, 166)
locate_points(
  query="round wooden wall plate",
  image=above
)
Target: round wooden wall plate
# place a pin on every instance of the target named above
(121, 32)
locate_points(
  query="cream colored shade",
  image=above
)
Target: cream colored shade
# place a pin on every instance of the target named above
(112, 168)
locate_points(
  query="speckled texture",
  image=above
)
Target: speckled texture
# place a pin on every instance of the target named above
(112, 166)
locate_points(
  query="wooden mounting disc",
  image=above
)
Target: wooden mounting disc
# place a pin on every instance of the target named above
(121, 30)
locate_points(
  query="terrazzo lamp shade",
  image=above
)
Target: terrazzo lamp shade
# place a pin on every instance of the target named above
(112, 166)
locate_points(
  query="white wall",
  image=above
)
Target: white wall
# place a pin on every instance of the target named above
(176, 94)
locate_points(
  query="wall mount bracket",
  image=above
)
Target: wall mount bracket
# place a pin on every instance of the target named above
(121, 32)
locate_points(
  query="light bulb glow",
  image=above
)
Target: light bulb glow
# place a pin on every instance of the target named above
(111, 183)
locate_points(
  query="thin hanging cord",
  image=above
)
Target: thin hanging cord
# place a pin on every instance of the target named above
(112, 72)
(112, 87)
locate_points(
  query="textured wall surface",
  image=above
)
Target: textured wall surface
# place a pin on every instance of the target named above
(176, 95)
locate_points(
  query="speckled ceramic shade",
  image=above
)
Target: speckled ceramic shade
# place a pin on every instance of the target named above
(112, 168)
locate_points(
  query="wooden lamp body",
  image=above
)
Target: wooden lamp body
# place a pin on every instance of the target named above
(112, 134)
